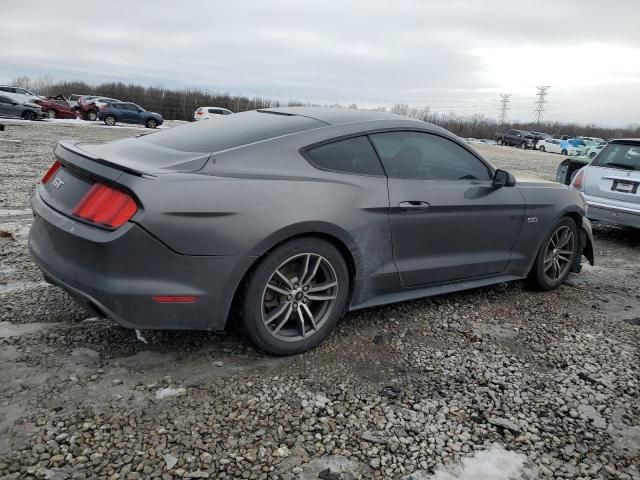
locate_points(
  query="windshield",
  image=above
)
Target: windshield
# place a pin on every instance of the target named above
(619, 155)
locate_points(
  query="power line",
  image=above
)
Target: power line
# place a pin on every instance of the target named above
(505, 98)
(540, 101)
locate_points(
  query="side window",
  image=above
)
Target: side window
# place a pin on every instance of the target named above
(424, 156)
(215, 111)
(4, 100)
(353, 155)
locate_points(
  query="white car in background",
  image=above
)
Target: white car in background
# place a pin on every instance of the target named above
(204, 113)
(557, 146)
(594, 150)
(21, 95)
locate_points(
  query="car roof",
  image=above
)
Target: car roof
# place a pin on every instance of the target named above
(626, 140)
(335, 116)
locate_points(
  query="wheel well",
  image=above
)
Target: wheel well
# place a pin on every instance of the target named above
(336, 242)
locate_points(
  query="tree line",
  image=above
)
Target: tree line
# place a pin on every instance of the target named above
(180, 104)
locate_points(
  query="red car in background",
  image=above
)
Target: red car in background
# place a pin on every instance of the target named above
(56, 107)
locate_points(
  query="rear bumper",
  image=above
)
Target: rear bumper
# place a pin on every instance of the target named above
(600, 209)
(116, 273)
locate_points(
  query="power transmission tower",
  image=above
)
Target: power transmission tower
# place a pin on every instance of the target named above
(505, 98)
(540, 101)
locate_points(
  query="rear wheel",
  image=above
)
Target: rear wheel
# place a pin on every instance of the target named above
(51, 113)
(500, 141)
(151, 123)
(295, 296)
(541, 148)
(91, 115)
(110, 120)
(563, 152)
(556, 255)
(29, 115)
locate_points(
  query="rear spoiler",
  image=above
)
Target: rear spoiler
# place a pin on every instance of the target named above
(68, 146)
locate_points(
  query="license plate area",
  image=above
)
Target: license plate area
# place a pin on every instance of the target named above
(624, 186)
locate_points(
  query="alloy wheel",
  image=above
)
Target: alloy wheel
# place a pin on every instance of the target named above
(51, 113)
(299, 297)
(559, 253)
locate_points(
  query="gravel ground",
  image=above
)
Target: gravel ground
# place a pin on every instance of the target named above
(495, 383)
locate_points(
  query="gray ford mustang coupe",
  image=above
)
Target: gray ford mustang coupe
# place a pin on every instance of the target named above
(292, 217)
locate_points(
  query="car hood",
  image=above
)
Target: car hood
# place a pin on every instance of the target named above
(32, 105)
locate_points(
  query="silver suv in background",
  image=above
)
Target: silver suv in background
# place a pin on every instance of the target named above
(611, 183)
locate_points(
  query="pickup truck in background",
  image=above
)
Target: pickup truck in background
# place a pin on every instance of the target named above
(517, 138)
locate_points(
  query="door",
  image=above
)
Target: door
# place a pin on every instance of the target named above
(125, 112)
(7, 107)
(448, 221)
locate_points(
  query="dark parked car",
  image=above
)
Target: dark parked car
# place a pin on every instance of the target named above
(10, 107)
(517, 138)
(128, 113)
(291, 217)
(56, 108)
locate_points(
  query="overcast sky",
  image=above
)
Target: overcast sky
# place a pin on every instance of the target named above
(449, 55)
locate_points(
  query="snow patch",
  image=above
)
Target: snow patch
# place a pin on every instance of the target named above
(162, 393)
(495, 464)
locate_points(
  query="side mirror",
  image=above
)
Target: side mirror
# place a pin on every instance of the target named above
(502, 178)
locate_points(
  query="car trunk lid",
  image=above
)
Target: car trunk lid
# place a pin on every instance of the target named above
(84, 166)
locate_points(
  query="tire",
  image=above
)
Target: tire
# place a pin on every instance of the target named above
(272, 308)
(564, 152)
(592, 155)
(91, 115)
(110, 120)
(541, 148)
(151, 123)
(29, 115)
(523, 145)
(551, 266)
(500, 141)
(50, 113)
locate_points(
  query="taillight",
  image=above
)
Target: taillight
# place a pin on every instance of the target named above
(578, 180)
(52, 170)
(106, 206)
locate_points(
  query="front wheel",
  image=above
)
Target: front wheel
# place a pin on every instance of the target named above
(556, 256)
(500, 141)
(541, 148)
(29, 115)
(92, 115)
(110, 120)
(151, 123)
(295, 296)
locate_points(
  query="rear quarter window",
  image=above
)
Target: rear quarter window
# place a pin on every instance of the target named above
(353, 155)
(222, 132)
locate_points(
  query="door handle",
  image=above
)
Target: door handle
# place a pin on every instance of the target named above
(413, 206)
